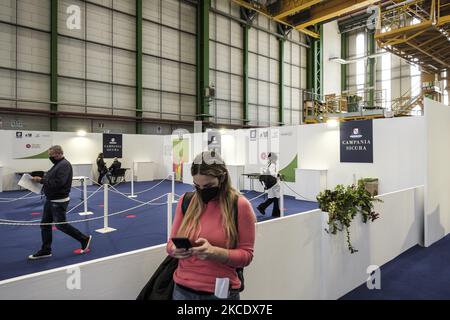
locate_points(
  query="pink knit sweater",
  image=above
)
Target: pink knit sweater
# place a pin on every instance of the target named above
(201, 274)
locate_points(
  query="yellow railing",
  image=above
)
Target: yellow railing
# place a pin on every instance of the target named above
(402, 15)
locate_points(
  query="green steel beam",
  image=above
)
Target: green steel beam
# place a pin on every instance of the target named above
(139, 66)
(54, 63)
(203, 59)
(317, 80)
(245, 71)
(310, 66)
(344, 54)
(281, 81)
(371, 67)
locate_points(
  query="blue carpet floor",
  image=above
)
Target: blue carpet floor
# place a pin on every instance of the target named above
(147, 227)
(419, 273)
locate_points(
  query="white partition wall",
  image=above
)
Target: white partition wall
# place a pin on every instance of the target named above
(437, 192)
(399, 228)
(293, 259)
(82, 152)
(398, 150)
(143, 148)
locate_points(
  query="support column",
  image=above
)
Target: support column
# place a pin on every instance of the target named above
(371, 67)
(139, 66)
(203, 60)
(245, 29)
(344, 55)
(317, 80)
(310, 66)
(281, 81)
(53, 64)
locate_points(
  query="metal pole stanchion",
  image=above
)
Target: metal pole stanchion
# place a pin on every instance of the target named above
(105, 228)
(169, 215)
(282, 209)
(132, 182)
(85, 212)
(173, 187)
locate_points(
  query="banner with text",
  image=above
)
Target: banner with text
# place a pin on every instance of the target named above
(31, 145)
(112, 145)
(356, 140)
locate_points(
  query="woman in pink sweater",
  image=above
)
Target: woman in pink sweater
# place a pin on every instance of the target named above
(219, 245)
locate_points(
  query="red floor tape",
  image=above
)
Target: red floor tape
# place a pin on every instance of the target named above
(131, 216)
(35, 213)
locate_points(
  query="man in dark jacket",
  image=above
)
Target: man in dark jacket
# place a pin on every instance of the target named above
(57, 183)
(113, 169)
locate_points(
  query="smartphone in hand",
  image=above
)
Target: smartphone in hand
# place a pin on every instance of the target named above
(182, 243)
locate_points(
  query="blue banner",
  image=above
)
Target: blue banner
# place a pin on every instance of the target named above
(112, 145)
(356, 139)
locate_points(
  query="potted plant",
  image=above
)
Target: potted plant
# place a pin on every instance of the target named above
(342, 205)
(371, 185)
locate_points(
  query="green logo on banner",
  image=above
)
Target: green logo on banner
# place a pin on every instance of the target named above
(42, 155)
(288, 173)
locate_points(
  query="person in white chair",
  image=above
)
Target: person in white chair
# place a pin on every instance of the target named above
(269, 178)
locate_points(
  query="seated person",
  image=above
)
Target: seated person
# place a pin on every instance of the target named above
(113, 170)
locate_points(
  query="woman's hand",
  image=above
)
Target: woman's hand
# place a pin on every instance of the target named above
(181, 253)
(204, 250)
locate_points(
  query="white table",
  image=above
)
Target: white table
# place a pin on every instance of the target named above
(144, 170)
(82, 170)
(310, 182)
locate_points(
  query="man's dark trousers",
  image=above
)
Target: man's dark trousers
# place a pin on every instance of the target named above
(56, 212)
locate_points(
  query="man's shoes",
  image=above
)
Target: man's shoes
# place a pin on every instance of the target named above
(85, 245)
(40, 255)
(261, 210)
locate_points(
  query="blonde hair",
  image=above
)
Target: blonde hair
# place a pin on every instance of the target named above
(210, 163)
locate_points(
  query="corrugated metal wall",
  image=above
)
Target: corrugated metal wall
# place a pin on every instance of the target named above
(97, 64)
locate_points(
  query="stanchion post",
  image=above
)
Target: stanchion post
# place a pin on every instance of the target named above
(169, 215)
(132, 182)
(105, 228)
(282, 209)
(85, 212)
(173, 187)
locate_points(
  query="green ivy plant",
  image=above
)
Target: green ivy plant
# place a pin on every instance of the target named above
(343, 204)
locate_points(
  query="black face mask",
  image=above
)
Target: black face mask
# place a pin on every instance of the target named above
(53, 160)
(208, 194)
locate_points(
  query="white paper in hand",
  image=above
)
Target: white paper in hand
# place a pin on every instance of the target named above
(27, 182)
(222, 285)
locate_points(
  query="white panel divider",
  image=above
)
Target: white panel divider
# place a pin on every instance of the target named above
(311, 265)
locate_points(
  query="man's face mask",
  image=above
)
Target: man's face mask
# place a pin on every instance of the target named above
(52, 158)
